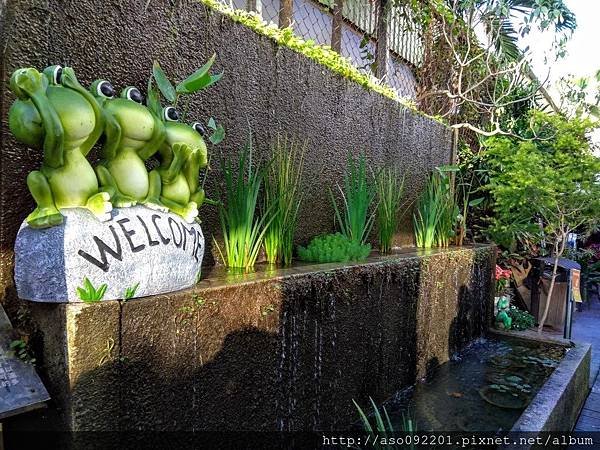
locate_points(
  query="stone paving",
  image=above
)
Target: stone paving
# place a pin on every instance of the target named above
(586, 328)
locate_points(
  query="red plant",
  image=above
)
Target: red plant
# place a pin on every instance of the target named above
(502, 279)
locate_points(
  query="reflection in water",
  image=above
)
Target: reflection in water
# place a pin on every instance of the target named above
(484, 388)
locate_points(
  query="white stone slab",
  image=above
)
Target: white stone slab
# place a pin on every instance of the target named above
(158, 250)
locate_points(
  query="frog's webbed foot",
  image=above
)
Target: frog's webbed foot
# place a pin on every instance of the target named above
(99, 204)
(46, 214)
(44, 217)
(188, 212)
(122, 201)
(155, 204)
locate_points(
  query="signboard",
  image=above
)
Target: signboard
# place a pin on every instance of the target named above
(21, 389)
(575, 285)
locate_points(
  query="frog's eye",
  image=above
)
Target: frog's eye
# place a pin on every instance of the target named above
(170, 114)
(57, 74)
(105, 89)
(134, 95)
(199, 128)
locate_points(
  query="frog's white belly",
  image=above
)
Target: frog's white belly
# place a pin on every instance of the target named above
(73, 183)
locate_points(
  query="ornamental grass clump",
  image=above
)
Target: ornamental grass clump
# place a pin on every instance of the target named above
(355, 218)
(243, 230)
(283, 197)
(390, 187)
(436, 212)
(333, 248)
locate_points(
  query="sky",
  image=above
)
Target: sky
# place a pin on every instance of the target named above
(583, 49)
(583, 52)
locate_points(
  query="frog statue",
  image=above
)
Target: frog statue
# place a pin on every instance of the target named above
(55, 114)
(182, 155)
(503, 320)
(132, 135)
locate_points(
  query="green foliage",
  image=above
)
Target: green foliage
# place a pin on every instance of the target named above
(130, 291)
(200, 79)
(218, 132)
(333, 248)
(384, 426)
(89, 294)
(283, 197)
(163, 83)
(355, 218)
(243, 231)
(197, 81)
(436, 212)
(321, 54)
(521, 320)
(543, 186)
(21, 350)
(390, 189)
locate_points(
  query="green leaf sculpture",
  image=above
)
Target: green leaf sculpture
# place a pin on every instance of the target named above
(165, 86)
(200, 79)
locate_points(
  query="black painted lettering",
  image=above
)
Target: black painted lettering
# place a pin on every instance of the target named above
(164, 240)
(198, 243)
(128, 234)
(103, 248)
(171, 222)
(151, 242)
(191, 231)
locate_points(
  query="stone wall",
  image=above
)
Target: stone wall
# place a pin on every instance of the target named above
(288, 350)
(265, 89)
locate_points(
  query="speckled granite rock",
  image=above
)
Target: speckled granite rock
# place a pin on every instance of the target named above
(158, 250)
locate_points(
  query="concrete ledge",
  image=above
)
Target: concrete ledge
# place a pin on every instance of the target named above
(283, 350)
(556, 406)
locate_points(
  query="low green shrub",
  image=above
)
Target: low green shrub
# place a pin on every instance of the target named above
(521, 320)
(333, 248)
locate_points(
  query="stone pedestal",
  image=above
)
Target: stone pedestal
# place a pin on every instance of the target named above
(284, 349)
(157, 251)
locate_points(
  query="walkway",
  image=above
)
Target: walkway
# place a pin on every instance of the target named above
(586, 328)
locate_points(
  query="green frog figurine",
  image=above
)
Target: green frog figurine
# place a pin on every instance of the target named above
(132, 135)
(55, 114)
(503, 320)
(182, 155)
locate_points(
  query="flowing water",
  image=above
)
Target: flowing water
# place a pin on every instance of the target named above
(484, 388)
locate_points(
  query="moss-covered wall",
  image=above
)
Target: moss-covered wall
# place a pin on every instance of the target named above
(265, 88)
(287, 351)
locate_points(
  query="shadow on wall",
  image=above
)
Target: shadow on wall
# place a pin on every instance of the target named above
(292, 358)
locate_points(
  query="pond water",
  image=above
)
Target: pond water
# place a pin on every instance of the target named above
(484, 388)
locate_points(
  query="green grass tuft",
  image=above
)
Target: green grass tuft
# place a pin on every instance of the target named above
(243, 229)
(89, 294)
(390, 189)
(436, 212)
(355, 218)
(283, 197)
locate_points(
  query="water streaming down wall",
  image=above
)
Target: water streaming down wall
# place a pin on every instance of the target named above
(287, 350)
(273, 353)
(351, 337)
